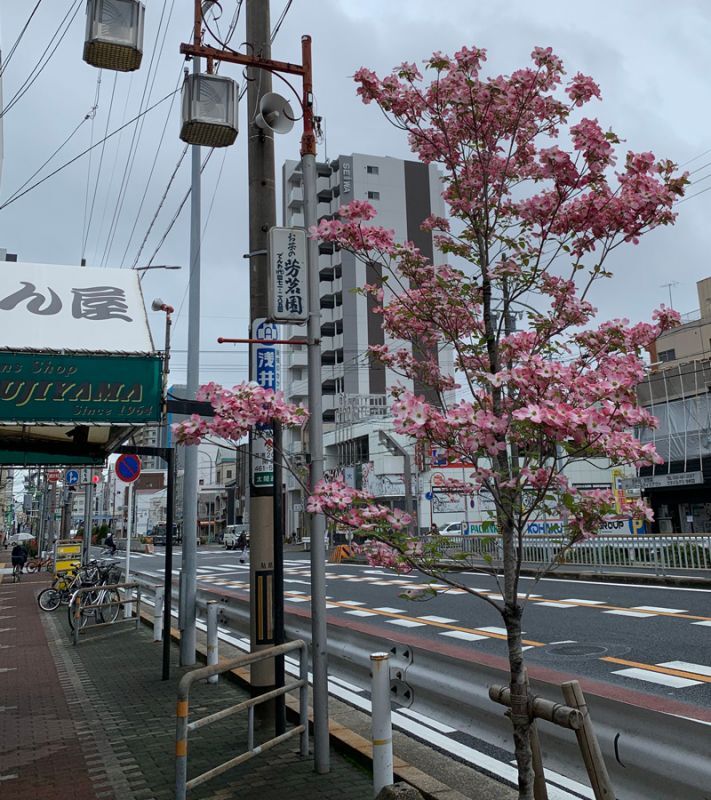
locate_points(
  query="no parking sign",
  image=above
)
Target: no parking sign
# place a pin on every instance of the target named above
(128, 468)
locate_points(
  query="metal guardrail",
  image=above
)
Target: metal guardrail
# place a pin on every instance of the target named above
(76, 608)
(662, 552)
(183, 727)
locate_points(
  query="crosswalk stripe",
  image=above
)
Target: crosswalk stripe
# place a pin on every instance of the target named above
(687, 666)
(683, 674)
(657, 677)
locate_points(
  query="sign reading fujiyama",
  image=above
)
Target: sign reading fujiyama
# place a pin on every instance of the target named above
(288, 280)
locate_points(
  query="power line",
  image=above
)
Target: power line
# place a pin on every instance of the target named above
(38, 68)
(84, 152)
(19, 38)
(88, 171)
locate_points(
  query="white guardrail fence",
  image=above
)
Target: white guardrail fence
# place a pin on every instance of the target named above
(648, 754)
(664, 553)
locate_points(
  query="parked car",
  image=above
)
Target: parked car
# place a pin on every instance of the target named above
(453, 529)
(232, 534)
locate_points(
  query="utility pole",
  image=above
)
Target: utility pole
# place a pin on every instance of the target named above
(188, 571)
(262, 217)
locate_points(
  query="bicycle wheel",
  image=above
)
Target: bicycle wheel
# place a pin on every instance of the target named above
(85, 614)
(49, 599)
(32, 566)
(16, 573)
(110, 612)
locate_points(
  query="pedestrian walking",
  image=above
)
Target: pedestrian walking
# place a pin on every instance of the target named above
(109, 542)
(242, 545)
(19, 556)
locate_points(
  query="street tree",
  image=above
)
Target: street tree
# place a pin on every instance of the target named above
(537, 200)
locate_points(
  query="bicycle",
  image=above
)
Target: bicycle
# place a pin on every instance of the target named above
(16, 572)
(101, 604)
(65, 584)
(37, 564)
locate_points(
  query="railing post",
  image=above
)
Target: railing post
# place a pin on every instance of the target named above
(382, 730)
(138, 605)
(181, 747)
(158, 615)
(77, 617)
(304, 699)
(212, 654)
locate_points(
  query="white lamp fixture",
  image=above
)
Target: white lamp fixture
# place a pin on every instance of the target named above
(114, 34)
(209, 111)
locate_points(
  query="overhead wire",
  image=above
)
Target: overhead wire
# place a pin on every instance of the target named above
(19, 38)
(87, 150)
(39, 67)
(137, 131)
(91, 154)
(87, 229)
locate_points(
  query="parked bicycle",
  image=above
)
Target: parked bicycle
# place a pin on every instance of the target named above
(102, 604)
(37, 564)
(66, 583)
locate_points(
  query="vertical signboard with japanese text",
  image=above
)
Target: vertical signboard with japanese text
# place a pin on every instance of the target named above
(266, 368)
(288, 279)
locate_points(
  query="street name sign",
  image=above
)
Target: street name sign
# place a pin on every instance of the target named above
(266, 369)
(288, 279)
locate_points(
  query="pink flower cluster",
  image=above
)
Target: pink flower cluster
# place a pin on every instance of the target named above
(354, 508)
(238, 411)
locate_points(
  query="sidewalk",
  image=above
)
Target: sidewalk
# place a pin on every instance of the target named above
(95, 722)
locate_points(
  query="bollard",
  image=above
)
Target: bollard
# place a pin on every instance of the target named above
(212, 655)
(158, 615)
(382, 729)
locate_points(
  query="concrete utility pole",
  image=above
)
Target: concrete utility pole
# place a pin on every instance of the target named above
(262, 217)
(188, 570)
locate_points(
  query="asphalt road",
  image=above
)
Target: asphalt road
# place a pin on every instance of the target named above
(648, 640)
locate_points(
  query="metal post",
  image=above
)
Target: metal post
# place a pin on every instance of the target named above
(77, 618)
(262, 216)
(127, 562)
(158, 614)
(212, 654)
(279, 703)
(168, 569)
(382, 729)
(181, 749)
(188, 582)
(87, 523)
(304, 699)
(319, 646)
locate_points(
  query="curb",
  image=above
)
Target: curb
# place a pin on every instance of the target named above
(343, 739)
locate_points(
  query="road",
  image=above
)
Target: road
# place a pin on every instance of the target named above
(647, 639)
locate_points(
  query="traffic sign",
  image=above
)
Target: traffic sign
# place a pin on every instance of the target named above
(53, 475)
(71, 477)
(128, 468)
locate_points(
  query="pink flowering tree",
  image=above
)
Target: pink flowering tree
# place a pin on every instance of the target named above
(538, 197)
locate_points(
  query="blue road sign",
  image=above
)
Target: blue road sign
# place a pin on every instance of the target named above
(128, 467)
(71, 477)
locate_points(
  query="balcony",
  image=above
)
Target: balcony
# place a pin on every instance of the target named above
(296, 197)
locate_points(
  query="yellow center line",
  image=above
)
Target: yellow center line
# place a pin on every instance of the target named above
(432, 623)
(604, 607)
(654, 668)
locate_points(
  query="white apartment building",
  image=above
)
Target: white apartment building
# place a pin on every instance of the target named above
(404, 193)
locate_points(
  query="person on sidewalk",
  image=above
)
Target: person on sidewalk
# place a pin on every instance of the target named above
(19, 556)
(242, 546)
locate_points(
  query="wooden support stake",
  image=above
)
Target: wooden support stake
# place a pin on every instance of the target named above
(558, 714)
(540, 791)
(588, 743)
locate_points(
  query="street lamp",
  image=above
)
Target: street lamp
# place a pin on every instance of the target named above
(157, 266)
(114, 34)
(209, 116)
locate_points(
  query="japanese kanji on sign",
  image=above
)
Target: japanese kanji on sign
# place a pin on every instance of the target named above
(288, 279)
(266, 368)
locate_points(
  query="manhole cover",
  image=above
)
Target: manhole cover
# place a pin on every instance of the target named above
(577, 650)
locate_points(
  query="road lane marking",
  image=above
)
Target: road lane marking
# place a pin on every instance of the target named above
(623, 612)
(661, 609)
(351, 603)
(582, 602)
(389, 610)
(467, 637)
(684, 674)
(435, 618)
(495, 630)
(687, 666)
(556, 604)
(655, 677)
(359, 613)
(433, 723)
(707, 623)
(406, 623)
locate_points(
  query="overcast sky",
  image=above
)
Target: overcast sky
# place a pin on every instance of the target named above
(651, 58)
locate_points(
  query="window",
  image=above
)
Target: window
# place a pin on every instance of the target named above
(373, 195)
(228, 474)
(372, 170)
(667, 355)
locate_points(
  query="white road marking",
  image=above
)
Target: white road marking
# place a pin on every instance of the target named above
(687, 666)
(706, 622)
(438, 726)
(657, 677)
(583, 602)
(662, 609)
(493, 629)
(623, 613)
(352, 603)
(406, 623)
(435, 618)
(359, 613)
(559, 604)
(494, 596)
(565, 641)
(298, 599)
(623, 585)
(7, 669)
(389, 610)
(467, 637)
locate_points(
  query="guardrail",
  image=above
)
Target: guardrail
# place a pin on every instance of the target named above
(183, 727)
(662, 552)
(76, 608)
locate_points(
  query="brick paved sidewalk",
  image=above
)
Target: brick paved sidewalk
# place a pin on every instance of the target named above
(96, 721)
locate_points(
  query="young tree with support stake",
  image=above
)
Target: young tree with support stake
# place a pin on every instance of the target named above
(537, 201)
